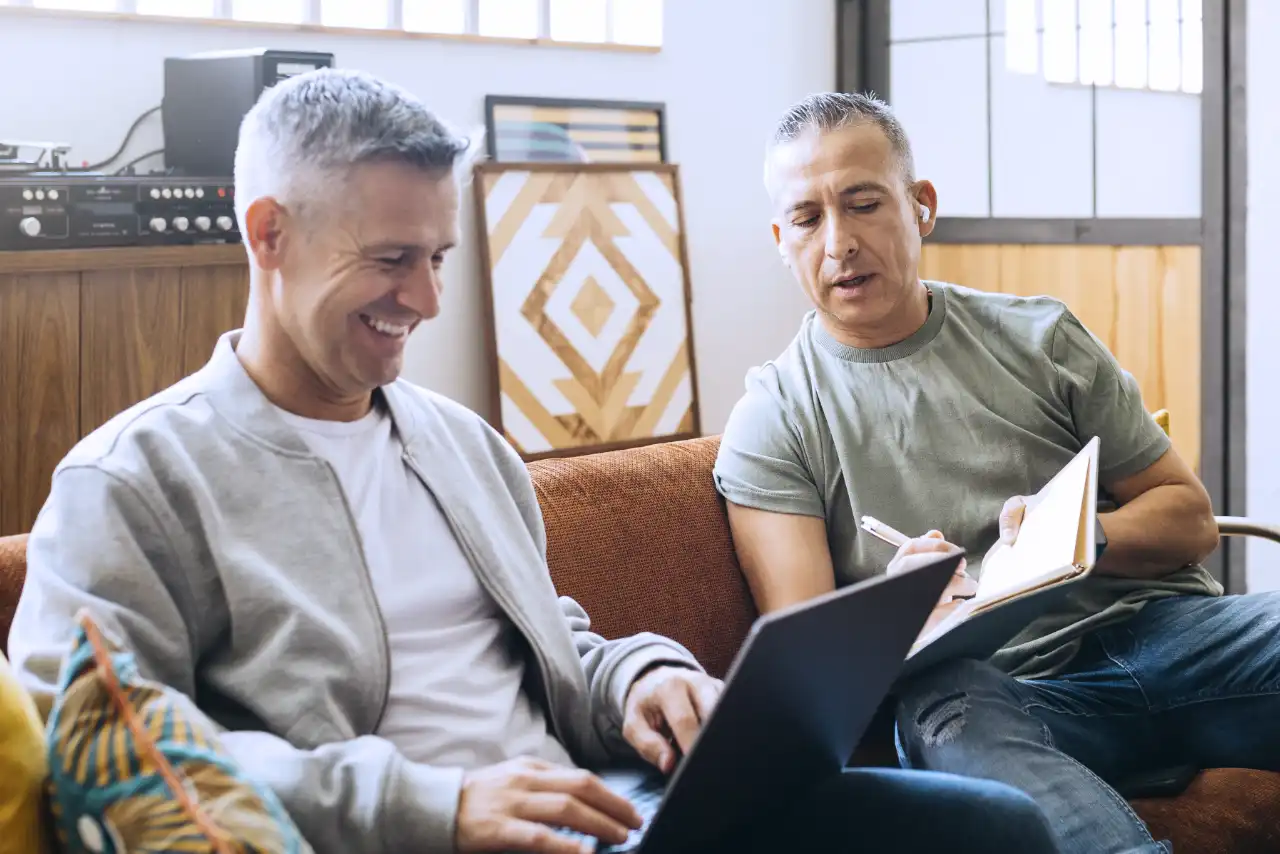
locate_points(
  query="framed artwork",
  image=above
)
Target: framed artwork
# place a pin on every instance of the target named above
(563, 130)
(586, 283)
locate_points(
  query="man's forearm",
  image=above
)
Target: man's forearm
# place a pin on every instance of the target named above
(1157, 533)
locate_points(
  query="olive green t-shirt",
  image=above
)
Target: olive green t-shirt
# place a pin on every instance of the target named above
(989, 399)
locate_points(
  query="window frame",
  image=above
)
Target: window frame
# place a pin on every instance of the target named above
(126, 10)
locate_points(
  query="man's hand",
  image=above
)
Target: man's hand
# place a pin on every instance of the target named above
(1011, 516)
(916, 552)
(668, 703)
(515, 806)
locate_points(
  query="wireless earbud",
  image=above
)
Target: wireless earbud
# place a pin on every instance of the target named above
(924, 214)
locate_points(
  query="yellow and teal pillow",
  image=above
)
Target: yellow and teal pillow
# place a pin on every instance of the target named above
(136, 768)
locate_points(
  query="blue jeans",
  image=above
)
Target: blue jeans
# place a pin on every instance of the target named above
(1187, 680)
(871, 810)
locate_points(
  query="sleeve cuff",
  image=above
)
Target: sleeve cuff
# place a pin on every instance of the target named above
(422, 808)
(658, 651)
(1150, 453)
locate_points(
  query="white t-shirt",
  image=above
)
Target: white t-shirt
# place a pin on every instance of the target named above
(456, 676)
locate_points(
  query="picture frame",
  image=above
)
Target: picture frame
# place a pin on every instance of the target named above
(522, 128)
(588, 306)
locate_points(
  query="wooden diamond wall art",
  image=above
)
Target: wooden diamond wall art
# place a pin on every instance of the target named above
(587, 296)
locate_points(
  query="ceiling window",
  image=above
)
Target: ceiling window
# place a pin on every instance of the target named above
(177, 8)
(269, 11)
(1131, 44)
(353, 13)
(435, 16)
(604, 22)
(514, 19)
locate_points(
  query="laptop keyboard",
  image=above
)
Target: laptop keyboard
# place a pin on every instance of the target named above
(646, 796)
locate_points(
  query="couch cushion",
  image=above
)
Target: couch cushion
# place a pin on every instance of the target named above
(1223, 811)
(640, 539)
(13, 571)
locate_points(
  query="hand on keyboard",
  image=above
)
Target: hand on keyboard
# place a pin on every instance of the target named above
(517, 806)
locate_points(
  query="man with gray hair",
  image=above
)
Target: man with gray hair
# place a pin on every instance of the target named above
(348, 572)
(936, 408)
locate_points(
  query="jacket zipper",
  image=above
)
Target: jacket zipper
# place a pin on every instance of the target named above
(500, 597)
(372, 598)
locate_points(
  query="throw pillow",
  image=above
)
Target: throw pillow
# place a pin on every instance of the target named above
(22, 769)
(135, 767)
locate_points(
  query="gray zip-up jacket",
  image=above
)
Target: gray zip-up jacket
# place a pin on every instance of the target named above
(203, 533)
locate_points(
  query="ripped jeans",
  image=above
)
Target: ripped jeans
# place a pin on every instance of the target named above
(1187, 680)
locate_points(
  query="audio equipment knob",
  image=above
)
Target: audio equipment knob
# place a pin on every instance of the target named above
(39, 195)
(167, 193)
(53, 195)
(158, 224)
(225, 223)
(28, 195)
(202, 223)
(189, 193)
(181, 223)
(199, 192)
(155, 192)
(30, 226)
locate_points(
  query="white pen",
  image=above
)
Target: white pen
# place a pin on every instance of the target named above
(880, 530)
(890, 535)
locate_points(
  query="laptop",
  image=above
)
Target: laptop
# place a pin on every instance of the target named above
(796, 701)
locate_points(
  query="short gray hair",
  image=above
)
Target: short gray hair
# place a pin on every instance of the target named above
(829, 111)
(312, 129)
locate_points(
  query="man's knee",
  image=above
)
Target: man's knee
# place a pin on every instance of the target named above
(936, 709)
(942, 694)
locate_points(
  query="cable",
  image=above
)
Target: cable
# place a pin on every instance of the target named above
(138, 160)
(123, 145)
(103, 163)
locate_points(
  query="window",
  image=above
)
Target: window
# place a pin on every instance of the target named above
(177, 8)
(515, 19)
(435, 16)
(620, 22)
(1131, 44)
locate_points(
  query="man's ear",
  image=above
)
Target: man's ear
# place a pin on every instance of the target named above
(265, 231)
(926, 201)
(777, 240)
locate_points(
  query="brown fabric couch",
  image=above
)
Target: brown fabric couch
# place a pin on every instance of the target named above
(640, 539)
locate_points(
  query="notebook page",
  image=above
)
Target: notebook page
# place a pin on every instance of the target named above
(1047, 540)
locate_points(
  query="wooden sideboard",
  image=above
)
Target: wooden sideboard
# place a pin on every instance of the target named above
(87, 333)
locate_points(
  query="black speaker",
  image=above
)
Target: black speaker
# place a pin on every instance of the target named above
(206, 96)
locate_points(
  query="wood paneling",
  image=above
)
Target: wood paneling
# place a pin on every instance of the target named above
(39, 381)
(1143, 303)
(122, 258)
(213, 301)
(131, 342)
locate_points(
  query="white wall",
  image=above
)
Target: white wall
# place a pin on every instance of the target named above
(1262, 79)
(727, 70)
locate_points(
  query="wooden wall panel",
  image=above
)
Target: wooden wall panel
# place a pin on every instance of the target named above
(39, 385)
(1143, 303)
(213, 302)
(131, 340)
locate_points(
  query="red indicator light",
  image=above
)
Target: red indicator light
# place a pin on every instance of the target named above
(222, 193)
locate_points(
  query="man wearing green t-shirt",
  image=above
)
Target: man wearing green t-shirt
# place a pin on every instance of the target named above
(934, 408)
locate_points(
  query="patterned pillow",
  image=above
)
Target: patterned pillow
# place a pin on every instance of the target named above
(136, 767)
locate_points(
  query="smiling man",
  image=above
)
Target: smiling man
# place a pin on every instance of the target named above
(933, 408)
(348, 572)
